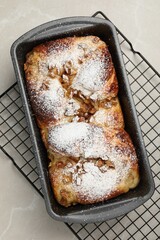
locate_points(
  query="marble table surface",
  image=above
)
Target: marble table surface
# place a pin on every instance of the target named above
(22, 210)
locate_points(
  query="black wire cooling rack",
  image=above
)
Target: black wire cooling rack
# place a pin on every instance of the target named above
(142, 223)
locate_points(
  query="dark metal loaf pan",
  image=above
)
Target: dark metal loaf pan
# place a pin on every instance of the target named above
(81, 26)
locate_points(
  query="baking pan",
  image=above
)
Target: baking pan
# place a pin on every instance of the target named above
(81, 26)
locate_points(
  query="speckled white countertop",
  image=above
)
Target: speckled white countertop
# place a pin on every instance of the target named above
(22, 210)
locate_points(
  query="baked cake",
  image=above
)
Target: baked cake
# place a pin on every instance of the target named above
(73, 89)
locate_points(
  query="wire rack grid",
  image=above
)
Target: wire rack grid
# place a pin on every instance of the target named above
(143, 222)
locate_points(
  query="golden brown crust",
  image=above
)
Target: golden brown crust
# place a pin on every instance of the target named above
(108, 114)
(67, 173)
(66, 195)
(73, 90)
(41, 70)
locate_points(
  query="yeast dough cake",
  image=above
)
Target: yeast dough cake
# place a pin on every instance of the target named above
(73, 89)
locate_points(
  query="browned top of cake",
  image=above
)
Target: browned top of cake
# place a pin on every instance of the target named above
(80, 67)
(73, 90)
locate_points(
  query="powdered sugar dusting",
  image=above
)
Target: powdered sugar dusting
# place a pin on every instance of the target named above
(103, 117)
(78, 139)
(71, 107)
(52, 99)
(58, 60)
(97, 146)
(95, 182)
(69, 137)
(90, 77)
